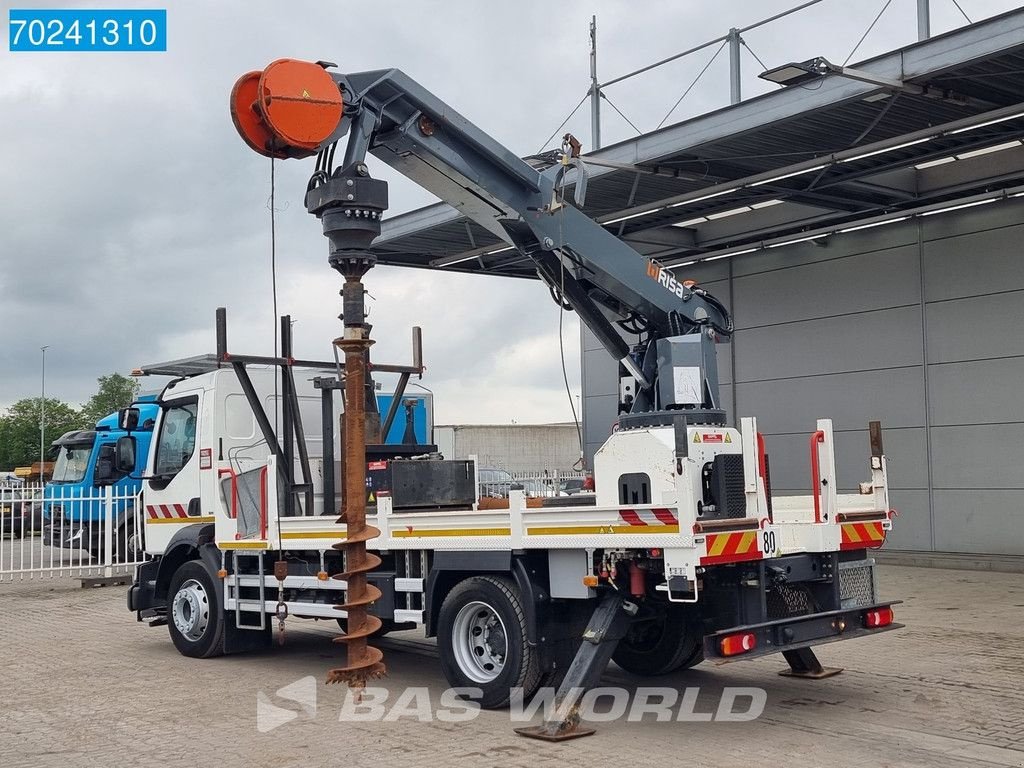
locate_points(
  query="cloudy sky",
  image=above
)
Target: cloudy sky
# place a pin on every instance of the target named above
(131, 209)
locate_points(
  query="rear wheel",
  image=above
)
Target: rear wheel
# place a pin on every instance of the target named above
(194, 616)
(482, 640)
(667, 641)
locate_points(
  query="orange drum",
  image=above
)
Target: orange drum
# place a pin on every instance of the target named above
(290, 109)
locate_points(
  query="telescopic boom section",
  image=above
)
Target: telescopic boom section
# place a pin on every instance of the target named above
(298, 109)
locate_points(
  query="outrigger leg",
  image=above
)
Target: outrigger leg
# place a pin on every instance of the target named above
(607, 626)
(803, 663)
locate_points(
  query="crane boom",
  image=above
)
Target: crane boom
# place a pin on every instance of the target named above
(389, 115)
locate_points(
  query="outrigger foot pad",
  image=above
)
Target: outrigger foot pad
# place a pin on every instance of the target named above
(607, 626)
(803, 663)
(545, 733)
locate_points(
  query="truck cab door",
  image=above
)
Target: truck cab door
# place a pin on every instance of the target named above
(173, 477)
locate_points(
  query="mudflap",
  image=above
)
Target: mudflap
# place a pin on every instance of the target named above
(142, 594)
(243, 640)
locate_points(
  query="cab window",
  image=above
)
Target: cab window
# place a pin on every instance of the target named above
(177, 441)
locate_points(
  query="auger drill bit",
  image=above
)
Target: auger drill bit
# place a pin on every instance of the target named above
(295, 109)
(363, 661)
(349, 204)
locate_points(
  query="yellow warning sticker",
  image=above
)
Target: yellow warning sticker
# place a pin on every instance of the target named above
(728, 437)
(305, 94)
(696, 437)
(372, 498)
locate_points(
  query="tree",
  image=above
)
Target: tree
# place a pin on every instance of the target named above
(115, 392)
(19, 430)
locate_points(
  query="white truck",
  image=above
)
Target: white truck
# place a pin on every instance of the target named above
(681, 554)
(717, 567)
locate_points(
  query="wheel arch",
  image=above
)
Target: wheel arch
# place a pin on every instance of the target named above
(193, 542)
(450, 568)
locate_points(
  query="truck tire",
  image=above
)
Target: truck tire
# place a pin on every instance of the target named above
(481, 634)
(194, 615)
(661, 645)
(128, 547)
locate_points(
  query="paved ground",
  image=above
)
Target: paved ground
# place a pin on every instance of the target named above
(87, 686)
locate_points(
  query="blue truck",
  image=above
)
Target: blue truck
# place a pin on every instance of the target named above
(73, 505)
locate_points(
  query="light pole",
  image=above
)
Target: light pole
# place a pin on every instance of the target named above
(42, 415)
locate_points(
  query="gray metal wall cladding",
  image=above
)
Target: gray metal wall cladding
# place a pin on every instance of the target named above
(919, 324)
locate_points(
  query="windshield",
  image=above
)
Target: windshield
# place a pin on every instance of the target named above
(72, 462)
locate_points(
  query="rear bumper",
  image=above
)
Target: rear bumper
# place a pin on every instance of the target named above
(12, 524)
(796, 632)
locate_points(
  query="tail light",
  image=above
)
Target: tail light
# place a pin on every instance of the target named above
(880, 617)
(588, 483)
(732, 645)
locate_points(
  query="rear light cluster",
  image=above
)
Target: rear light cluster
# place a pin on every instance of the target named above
(880, 617)
(733, 645)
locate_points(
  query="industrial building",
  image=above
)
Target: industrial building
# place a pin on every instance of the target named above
(863, 224)
(533, 448)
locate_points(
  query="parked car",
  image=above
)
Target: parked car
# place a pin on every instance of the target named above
(572, 486)
(12, 518)
(495, 483)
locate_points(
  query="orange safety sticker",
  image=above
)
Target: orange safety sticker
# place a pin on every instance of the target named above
(861, 535)
(731, 547)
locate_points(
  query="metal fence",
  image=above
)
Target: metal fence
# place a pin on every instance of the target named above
(67, 532)
(496, 483)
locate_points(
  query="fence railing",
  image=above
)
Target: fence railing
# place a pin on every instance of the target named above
(541, 483)
(63, 531)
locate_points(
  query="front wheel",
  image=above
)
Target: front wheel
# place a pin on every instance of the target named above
(482, 640)
(195, 618)
(667, 641)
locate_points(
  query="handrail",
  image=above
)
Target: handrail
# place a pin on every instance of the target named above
(702, 46)
(263, 502)
(860, 517)
(817, 437)
(736, 523)
(762, 471)
(234, 489)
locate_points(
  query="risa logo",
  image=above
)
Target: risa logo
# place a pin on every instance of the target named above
(665, 278)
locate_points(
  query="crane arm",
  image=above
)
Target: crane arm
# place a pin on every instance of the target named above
(389, 115)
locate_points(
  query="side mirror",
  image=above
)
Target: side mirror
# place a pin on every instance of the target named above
(124, 453)
(128, 419)
(104, 473)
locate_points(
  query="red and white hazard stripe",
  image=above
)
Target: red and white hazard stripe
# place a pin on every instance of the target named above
(647, 517)
(166, 511)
